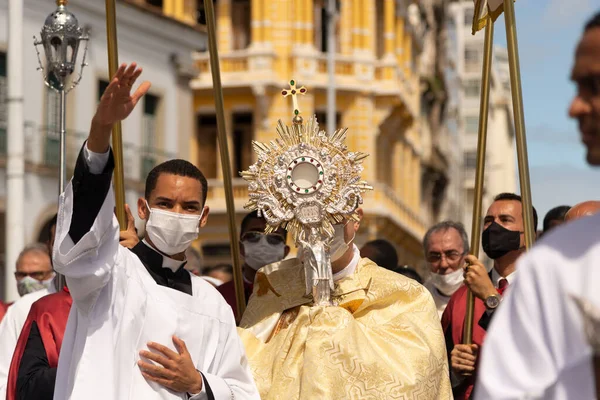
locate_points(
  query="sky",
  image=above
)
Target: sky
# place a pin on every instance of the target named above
(548, 32)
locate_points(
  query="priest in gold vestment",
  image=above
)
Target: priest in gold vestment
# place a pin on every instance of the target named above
(332, 325)
(382, 341)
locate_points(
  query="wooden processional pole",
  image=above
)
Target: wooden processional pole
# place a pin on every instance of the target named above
(117, 140)
(519, 121)
(240, 297)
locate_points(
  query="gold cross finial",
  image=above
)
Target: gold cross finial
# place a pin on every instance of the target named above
(294, 92)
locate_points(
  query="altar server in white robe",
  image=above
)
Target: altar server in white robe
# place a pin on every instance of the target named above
(544, 341)
(141, 326)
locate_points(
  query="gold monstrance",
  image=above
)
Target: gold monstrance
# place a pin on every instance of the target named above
(306, 181)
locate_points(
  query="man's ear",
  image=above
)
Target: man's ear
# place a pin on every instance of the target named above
(204, 218)
(143, 211)
(360, 213)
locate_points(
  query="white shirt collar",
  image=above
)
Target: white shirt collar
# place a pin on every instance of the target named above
(350, 268)
(496, 277)
(168, 262)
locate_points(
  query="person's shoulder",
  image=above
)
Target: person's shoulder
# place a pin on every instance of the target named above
(25, 302)
(210, 297)
(570, 244)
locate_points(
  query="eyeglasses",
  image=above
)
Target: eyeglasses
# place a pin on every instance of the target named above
(451, 256)
(254, 237)
(37, 275)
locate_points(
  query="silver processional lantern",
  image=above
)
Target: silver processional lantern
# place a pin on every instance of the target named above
(61, 37)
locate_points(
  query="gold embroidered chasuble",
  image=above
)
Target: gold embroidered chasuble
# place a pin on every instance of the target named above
(383, 341)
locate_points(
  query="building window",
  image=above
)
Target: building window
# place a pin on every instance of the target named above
(242, 142)
(206, 138)
(155, 3)
(3, 105)
(102, 85)
(470, 159)
(321, 20)
(380, 28)
(149, 133)
(322, 120)
(52, 142)
(472, 59)
(471, 125)
(473, 88)
(240, 24)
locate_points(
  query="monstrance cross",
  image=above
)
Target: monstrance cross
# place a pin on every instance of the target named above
(294, 91)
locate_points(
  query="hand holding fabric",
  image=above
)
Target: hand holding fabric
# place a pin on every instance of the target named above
(129, 237)
(477, 278)
(463, 358)
(177, 371)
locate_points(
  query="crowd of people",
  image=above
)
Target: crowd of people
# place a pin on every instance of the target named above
(139, 317)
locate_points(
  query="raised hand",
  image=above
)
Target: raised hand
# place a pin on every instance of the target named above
(116, 104)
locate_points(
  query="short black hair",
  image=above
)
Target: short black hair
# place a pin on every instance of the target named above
(409, 272)
(555, 214)
(385, 253)
(516, 197)
(176, 167)
(249, 217)
(594, 22)
(227, 268)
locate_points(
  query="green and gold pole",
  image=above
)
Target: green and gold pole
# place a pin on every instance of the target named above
(225, 161)
(484, 101)
(117, 141)
(519, 117)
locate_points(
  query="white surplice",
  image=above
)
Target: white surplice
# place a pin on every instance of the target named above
(536, 347)
(118, 308)
(10, 330)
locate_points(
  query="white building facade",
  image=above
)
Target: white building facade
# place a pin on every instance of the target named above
(160, 127)
(500, 167)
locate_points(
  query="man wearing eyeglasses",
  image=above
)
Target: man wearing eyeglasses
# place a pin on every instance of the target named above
(34, 276)
(445, 245)
(503, 241)
(258, 249)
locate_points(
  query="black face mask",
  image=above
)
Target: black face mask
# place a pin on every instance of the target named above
(497, 240)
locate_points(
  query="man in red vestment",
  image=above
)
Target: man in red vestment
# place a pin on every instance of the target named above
(34, 364)
(503, 241)
(258, 250)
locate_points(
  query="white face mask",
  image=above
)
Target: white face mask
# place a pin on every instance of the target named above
(172, 233)
(339, 247)
(449, 283)
(261, 253)
(29, 285)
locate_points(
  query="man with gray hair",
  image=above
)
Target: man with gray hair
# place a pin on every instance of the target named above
(34, 277)
(445, 246)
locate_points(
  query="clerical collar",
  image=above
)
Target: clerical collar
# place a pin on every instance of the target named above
(167, 262)
(350, 268)
(496, 277)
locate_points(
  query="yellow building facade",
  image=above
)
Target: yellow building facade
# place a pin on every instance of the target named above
(265, 43)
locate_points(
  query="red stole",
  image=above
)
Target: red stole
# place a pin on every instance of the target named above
(3, 308)
(50, 313)
(454, 318)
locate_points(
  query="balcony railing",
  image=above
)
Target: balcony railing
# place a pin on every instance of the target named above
(42, 151)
